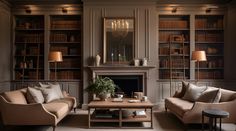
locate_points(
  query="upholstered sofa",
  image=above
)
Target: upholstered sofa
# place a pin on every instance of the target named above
(15, 109)
(191, 111)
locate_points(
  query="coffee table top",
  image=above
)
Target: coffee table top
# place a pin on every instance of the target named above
(215, 113)
(124, 104)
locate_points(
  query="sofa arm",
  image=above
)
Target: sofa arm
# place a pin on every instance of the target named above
(25, 114)
(195, 113)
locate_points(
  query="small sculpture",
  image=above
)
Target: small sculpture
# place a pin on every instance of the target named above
(98, 58)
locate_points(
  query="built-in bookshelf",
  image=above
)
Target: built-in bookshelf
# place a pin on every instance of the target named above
(209, 36)
(29, 47)
(174, 47)
(65, 36)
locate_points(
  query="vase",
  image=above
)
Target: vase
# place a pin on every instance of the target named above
(98, 58)
(103, 97)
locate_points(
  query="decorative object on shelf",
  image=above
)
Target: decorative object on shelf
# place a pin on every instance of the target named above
(55, 56)
(144, 62)
(118, 46)
(102, 87)
(136, 62)
(98, 58)
(198, 56)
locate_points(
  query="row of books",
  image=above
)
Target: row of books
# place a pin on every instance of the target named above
(173, 24)
(65, 75)
(64, 37)
(71, 24)
(29, 38)
(210, 50)
(176, 63)
(209, 74)
(175, 75)
(217, 63)
(206, 23)
(106, 113)
(165, 36)
(67, 63)
(209, 37)
(29, 75)
(66, 50)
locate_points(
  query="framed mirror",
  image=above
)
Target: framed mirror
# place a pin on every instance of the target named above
(118, 38)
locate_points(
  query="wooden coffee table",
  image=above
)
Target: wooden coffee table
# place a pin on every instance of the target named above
(125, 105)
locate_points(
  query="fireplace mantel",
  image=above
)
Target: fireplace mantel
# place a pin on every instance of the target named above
(117, 67)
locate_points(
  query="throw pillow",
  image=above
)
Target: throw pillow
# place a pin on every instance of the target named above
(56, 87)
(184, 88)
(49, 94)
(210, 96)
(34, 95)
(193, 92)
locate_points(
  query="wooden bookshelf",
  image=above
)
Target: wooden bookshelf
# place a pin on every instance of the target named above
(209, 37)
(174, 47)
(28, 47)
(65, 36)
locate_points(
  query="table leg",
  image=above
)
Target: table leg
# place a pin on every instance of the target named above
(202, 122)
(220, 124)
(120, 117)
(88, 117)
(151, 119)
(215, 125)
(210, 123)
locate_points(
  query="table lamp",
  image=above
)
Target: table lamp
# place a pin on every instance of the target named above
(198, 56)
(55, 56)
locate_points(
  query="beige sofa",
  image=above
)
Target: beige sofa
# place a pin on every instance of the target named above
(191, 112)
(16, 111)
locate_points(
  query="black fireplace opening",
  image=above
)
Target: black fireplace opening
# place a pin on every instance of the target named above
(127, 84)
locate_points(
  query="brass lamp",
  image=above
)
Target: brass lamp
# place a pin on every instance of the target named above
(55, 56)
(198, 56)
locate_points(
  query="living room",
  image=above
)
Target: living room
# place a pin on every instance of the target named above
(147, 48)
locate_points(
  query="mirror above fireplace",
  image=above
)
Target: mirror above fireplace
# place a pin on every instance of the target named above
(118, 38)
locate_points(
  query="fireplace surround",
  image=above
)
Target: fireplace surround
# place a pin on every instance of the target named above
(126, 74)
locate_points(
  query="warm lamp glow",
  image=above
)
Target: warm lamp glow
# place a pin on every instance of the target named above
(199, 56)
(55, 56)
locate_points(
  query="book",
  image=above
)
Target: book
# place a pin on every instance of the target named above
(140, 114)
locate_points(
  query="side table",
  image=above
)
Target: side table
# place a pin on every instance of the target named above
(213, 114)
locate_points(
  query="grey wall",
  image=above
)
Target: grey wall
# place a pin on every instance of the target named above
(5, 46)
(144, 14)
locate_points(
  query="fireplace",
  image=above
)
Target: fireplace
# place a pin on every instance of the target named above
(127, 84)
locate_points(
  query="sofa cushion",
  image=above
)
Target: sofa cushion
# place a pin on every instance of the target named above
(193, 92)
(34, 95)
(178, 105)
(210, 95)
(69, 101)
(57, 108)
(16, 97)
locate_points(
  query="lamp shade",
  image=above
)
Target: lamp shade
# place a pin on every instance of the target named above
(199, 56)
(55, 56)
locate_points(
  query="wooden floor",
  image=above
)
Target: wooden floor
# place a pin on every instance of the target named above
(78, 122)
